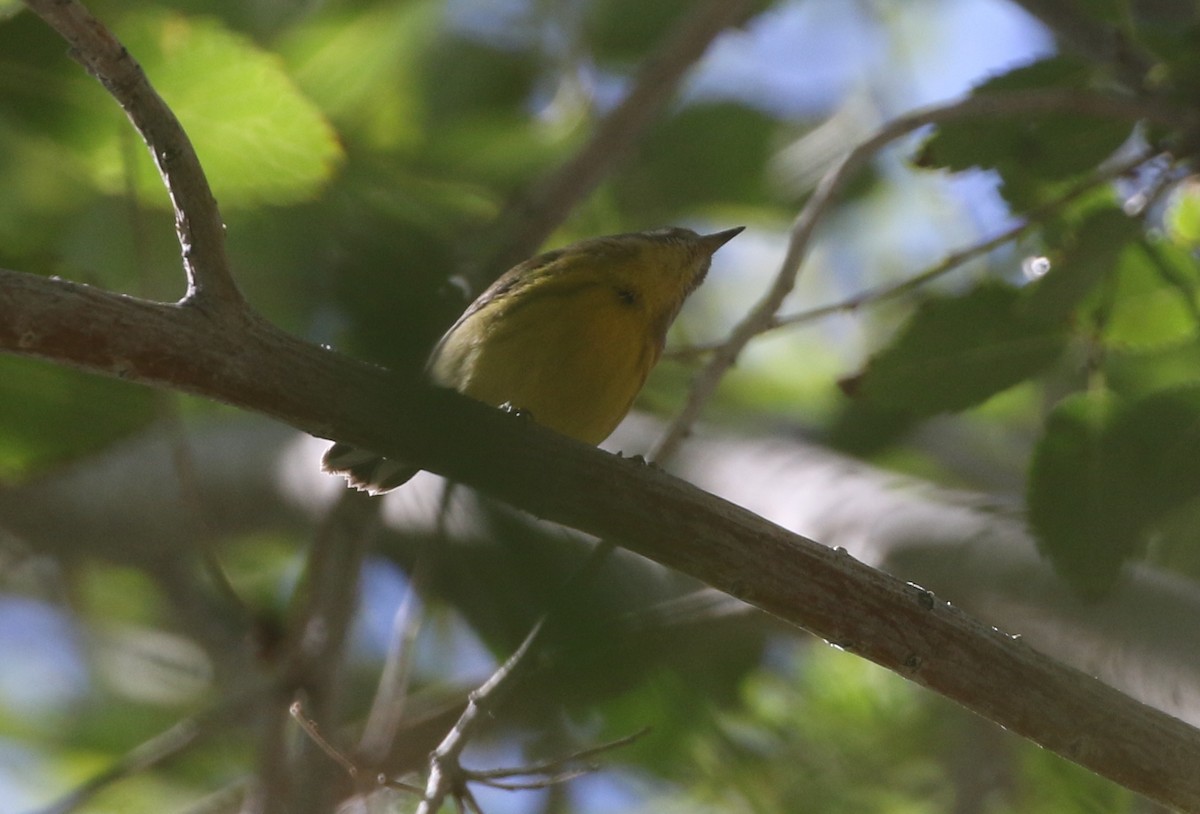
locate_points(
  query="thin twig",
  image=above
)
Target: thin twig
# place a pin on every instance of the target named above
(947, 264)
(534, 785)
(310, 727)
(327, 599)
(1006, 104)
(198, 223)
(527, 222)
(383, 721)
(557, 764)
(446, 776)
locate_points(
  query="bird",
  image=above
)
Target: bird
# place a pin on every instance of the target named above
(567, 337)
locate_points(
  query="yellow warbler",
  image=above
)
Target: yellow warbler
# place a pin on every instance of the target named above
(568, 336)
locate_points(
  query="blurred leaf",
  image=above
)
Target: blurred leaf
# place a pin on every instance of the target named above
(259, 139)
(1136, 369)
(1157, 442)
(844, 736)
(502, 151)
(675, 170)
(112, 595)
(956, 352)
(1154, 301)
(1171, 31)
(1028, 150)
(396, 235)
(41, 180)
(1072, 491)
(863, 428)
(362, 68)
(623, 30)
(1176, 541)
(1103, 472)
(1183, 215)
(1090, 257)
(51, 414)
(1051, 785)
(473, 79)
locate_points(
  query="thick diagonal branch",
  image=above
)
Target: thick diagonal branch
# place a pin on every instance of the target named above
(897, 625)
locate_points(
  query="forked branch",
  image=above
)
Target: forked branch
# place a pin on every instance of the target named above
(198, 222)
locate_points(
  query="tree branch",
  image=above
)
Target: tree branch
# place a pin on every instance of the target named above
(198, 222)
(892, 623)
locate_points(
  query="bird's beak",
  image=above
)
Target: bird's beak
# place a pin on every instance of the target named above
(715, 241)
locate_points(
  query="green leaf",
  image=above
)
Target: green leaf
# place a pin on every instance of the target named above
(362, 67)
(1072, 491)
(1104, 472)
(259, 139)
(1028, 150)
(1157, 443)
(624, 30)
(1172, 33)
(674, 168)
(475, 80)
(1183, 215)
(52, 414)
(957, 352)
(1154, 302)
(1141, 369)
(40, 178)
(1090, 256)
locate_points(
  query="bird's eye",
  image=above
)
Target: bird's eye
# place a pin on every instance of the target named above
(627, 296)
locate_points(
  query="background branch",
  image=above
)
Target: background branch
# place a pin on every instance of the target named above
(763, 314)
(527, 222)
(957, 258)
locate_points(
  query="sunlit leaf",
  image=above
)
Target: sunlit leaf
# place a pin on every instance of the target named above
(1154, 301)
(1183, 215)
(1138, 369)
(40, 179)
(361, 66)
(259, 139)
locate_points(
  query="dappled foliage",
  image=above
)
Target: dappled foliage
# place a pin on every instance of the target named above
(371, 159)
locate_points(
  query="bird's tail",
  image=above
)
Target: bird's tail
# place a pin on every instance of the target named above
(365, 470)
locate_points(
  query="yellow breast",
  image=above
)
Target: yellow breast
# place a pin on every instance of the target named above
(574, 358)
